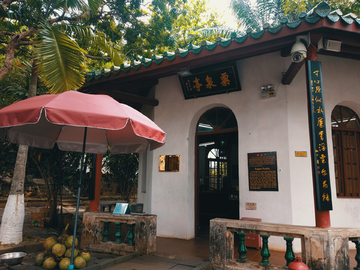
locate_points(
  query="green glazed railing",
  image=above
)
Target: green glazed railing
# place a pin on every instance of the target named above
(357, 256)
(129, 238)
(289, 254)
(265, 252)
(242, 248)
(106, 231)
(118, 233)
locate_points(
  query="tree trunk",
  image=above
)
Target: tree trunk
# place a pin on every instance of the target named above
(33, 81)
(12, 223)
(11, 230)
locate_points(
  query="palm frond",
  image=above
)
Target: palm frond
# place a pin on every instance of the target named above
(10, 15)
(97, 40)
(60, 59)
(95, 4)
(247, 16)
(214, 32)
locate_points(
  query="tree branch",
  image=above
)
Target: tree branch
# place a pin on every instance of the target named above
(26, 43)
(70, 19)
(10, 51)
(3, 33)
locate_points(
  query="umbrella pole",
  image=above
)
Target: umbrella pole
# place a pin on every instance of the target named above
(71, 266)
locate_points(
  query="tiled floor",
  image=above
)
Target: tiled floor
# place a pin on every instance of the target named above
(198, 248)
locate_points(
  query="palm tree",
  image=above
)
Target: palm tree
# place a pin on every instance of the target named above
(254, 16)
(45, 26)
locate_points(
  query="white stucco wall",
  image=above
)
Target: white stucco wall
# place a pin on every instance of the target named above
(341, 87)
(276, 124)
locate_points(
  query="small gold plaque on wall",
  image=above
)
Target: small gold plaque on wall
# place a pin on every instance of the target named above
(169, 163)
(300, 154)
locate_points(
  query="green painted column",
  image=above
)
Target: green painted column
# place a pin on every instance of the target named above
(289, 254)
(242, 248)
(265, 252)
(118, 233)
(131, 235)
(357, 257)
(106, 231)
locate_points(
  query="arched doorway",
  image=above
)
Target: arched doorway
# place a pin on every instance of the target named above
(217, 173)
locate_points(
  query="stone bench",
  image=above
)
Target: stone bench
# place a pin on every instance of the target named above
(140, 236)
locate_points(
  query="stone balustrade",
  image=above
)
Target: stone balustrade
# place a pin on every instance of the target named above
(132, 233)
(321, 248)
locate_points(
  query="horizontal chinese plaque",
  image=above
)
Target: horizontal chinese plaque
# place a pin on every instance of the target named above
(263, 171)
(213, 81)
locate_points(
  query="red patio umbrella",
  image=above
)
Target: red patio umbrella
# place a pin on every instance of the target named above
(79, 122)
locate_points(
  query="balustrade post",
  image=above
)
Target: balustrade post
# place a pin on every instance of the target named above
(131, 235)
(118, 233)
(106, 231)
(242, 248)
(265, 252)
(357, 257)
(289, 254)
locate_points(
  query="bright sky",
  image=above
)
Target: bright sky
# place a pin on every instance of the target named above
(222, 7)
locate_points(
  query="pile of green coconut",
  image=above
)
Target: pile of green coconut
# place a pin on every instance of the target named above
(58, 253)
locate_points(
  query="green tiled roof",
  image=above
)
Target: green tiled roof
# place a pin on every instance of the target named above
(321, 11)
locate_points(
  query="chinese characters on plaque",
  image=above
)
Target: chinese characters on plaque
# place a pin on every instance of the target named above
(210, 82)
(263, 171)
(318, 137)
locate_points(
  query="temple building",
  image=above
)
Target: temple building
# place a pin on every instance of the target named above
(263, 126)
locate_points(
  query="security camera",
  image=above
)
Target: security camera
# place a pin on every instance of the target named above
(298, 51)
(298, 57)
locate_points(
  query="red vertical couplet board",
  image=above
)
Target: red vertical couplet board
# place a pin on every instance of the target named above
(318, 138)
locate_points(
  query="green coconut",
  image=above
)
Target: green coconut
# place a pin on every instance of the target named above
(58, 249)
(63, 238)
(39, 260)
(64, 263)
(79, 262)
(49, 242)
(69, 242)
(86, 256)
(68, 253)
(49, 263)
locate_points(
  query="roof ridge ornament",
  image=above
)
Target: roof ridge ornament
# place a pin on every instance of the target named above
(209, 45)
(182, 52)
(195, 48)
(350, 15)
(157, 58)
(322, 9)
(224, 42)
(337, 12)
(169, 55)
(334, 15)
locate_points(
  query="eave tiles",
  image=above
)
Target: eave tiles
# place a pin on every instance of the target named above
(322, 10)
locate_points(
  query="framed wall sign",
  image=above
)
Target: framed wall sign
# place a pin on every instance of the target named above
(263, 171)
(169, 163)
(211, 81)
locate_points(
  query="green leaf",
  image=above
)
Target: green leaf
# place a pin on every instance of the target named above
(97, 40)
(61, 60)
